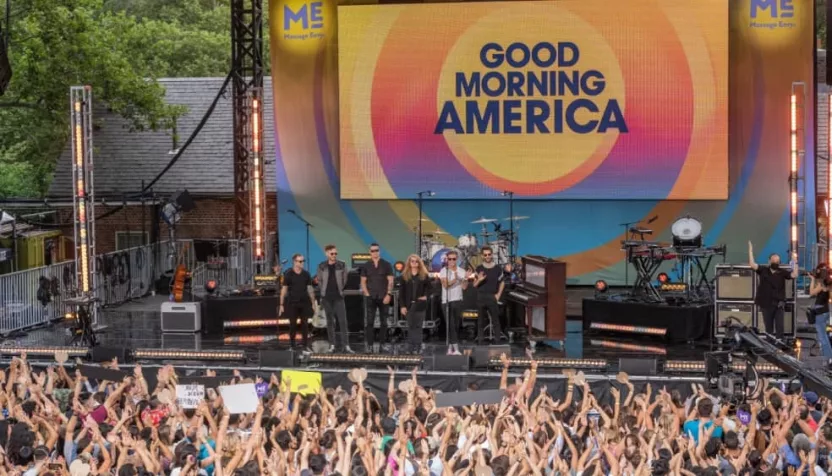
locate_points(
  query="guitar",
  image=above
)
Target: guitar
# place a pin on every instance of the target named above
(180, 275)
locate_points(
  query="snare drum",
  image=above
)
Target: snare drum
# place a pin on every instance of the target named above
(467, 241)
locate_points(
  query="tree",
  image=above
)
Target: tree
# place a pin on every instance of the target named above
(118, 47)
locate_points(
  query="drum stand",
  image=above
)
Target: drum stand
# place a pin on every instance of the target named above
(83, 335)
(420, 199)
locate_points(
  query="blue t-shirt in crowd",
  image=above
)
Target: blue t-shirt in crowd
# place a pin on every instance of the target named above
(692, 427)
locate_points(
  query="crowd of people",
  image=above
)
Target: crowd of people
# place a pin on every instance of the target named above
(57, 422)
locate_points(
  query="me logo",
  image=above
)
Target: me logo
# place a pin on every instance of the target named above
(774, 11)
(309, 15)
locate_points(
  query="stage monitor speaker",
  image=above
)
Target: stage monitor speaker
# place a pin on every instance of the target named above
(745, 313)
(447, 363)
(637, 366)
(181, 317)
(482, 354)
(106, 354)
(735, 283)
(182, 341)
(278, 358)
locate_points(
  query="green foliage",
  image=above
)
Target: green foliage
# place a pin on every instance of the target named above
(119, 47)
(820, 22)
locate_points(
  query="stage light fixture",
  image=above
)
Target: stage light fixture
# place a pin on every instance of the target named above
(663, 278)
(684, 366)
(763, 368)
(83, 196)
(608, 344)
(364, 359)
(601, 286)
(258, 323)
(169, 354)
(399, 266)
(45, 351)
(794, 157)
(603, 326)
(595, 364)
(256, 185)
(673, 287)
(211, 286)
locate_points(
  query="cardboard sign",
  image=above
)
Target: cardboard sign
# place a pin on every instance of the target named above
(190, 396)
(240, 398)
(304, 383)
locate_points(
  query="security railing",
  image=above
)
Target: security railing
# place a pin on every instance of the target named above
(37, 296)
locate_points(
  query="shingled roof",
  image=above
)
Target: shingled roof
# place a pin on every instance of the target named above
(123, 158)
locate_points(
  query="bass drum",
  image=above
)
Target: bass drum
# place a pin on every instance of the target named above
(430, 247)
(687, 232)
(467, 241)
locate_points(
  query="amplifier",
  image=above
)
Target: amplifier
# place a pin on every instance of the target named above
(788, 320)
(181, 317)
(181, 341)
(735, 283)
(743, 312)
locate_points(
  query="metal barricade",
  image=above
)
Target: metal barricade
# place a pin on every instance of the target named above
(124, 275)
(35, 296)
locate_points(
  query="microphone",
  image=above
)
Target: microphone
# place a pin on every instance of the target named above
(652, 219)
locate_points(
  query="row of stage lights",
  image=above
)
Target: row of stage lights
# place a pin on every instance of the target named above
(675, 367)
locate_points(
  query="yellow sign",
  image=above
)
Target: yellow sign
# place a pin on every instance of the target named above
(304, 383)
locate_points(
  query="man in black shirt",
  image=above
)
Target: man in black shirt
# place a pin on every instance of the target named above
(489, 284)
(297, 299)
(771, 289)
(332, 277)
(377, 286)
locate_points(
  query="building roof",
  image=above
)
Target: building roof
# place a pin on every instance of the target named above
(123, 158)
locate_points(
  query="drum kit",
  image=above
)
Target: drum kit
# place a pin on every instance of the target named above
(435, 245)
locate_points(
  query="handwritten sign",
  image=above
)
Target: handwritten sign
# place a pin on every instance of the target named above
(190, 396)
(240, 398)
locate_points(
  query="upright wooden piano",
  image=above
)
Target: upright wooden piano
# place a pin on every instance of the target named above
(542, 292)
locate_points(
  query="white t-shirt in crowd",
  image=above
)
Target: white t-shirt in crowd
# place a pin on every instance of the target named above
(453, 293)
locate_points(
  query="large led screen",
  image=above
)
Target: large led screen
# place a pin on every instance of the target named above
(550, 100)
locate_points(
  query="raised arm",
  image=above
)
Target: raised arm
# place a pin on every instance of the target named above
(751, 261)
(795, 267)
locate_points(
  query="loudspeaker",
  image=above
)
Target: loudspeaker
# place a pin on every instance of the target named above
(637, 366)
(182, 341)
(743, 312)
(735, 283)
(482, 354)
(184, 201)
(277, 358)
(106, 354)
(447, 363)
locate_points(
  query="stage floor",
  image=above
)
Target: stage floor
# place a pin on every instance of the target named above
(137, 325)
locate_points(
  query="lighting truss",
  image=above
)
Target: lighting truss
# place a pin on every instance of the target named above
(738, 366)
(797, 139)
(602, 326)
(554, 363)
(169, 354)
(366, 359)
(83, 192)
(41, 351)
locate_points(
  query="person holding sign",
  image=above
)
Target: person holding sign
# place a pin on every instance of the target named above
(297, 299)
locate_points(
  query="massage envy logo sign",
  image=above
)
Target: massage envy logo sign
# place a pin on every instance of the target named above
(772, 14)
(303, 21)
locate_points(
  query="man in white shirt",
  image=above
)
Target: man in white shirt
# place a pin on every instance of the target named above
(454, 280)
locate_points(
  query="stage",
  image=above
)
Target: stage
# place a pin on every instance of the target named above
(677, 323)
(136, 325)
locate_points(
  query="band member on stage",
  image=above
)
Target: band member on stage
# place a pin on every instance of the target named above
(413, 298)
(377, 286)
(819, 312)
(771, 289)
(454, 280)
(297, 299)
(332, 277)
(490, 284)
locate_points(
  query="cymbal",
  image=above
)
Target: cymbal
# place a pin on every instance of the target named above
(483, 221)
(516, 218)
(436, 232)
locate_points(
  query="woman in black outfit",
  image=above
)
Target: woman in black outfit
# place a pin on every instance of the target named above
(413, 297)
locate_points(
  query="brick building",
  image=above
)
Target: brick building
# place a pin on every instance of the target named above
(124, 160)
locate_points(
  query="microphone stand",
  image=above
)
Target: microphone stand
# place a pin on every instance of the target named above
(420, 196)
(627, 258)
(308, 226)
